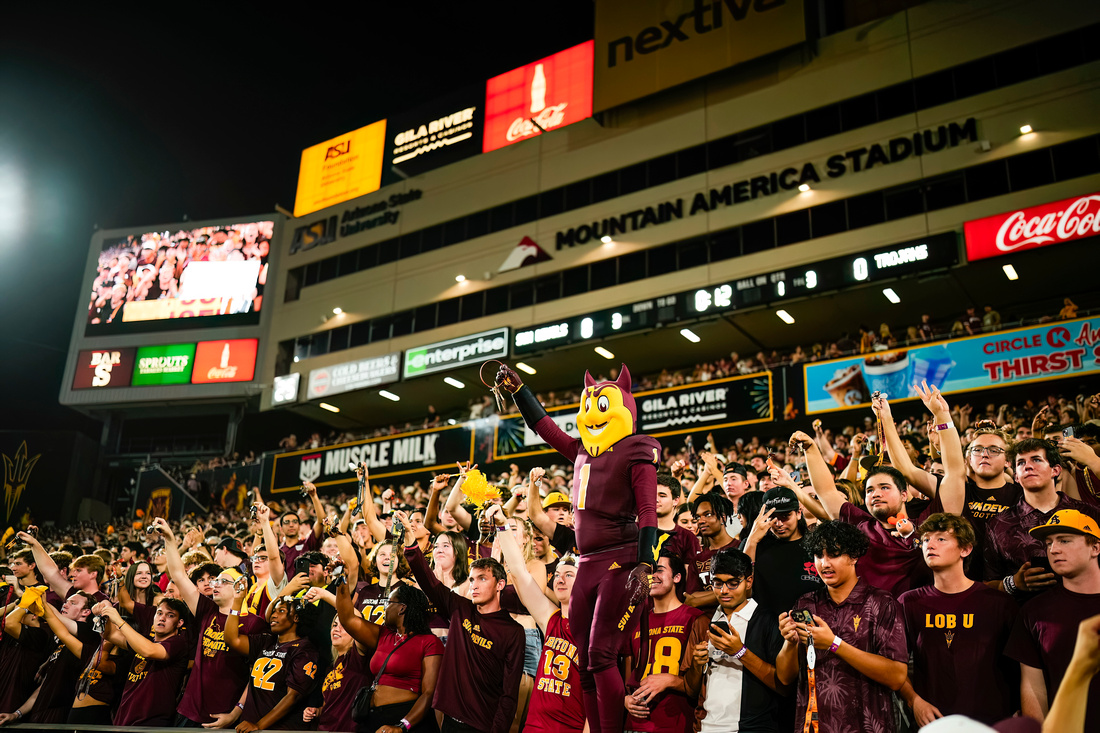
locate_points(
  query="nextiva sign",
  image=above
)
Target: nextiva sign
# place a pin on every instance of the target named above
(456, 353)
(894, 150)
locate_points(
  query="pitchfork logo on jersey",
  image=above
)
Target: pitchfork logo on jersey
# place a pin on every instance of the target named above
(855, 622)
(950, 636)
(310, 468)
(527, 252)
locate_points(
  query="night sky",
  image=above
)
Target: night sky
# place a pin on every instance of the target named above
(126, 121)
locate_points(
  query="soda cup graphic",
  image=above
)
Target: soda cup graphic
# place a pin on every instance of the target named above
(888, 374)
(933, 365)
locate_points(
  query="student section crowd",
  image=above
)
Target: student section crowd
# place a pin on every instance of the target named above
(878, 577)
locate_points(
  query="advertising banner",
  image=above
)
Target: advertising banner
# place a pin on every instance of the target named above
(340, 169)
(103, 368)
(393, 455)
(455, 353)
(720, 403)
(645, 46)
(169, 364)
(353, 375)
(1034, 227)
(158, 495)
(433, 135)
(224, 361)
(998, 359)
(285, 389)
(539, 97)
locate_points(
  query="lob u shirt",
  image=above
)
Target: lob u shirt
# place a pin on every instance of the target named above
(869, 619)
(957, 641)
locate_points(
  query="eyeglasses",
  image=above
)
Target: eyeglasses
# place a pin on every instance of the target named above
(782, 516)
(706, 515)
(988, 450)
(731, 584)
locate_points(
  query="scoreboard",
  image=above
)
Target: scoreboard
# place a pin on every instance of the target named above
(885, 263)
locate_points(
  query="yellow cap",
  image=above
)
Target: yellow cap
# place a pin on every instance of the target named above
(1067, 520)
(555, 498)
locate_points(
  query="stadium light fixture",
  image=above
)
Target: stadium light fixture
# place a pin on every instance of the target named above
(690, 335)
(337, 311)
(891, 295)
(460, 278)
(389, 395)
(454, 382)
(785, 316)
(1010, 272)
(804, 187)
(327, 406)
(1025, 129)
(604, 352)
(526, 368)
(606, 239)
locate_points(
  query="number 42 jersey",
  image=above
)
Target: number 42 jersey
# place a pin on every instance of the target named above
(277, 668)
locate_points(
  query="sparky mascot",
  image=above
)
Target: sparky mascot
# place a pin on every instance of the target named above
(615, 518)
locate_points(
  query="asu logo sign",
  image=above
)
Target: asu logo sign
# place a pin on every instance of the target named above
(335, 151)
(17, 472)
(322, 231)
(527, 252)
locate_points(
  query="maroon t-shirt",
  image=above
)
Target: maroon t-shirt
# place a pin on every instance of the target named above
(614, 493)
(1088, 485)
(60, 671)
(487, 647)
(894, 564)
(1009, 544)
(1045, 635)
(16, 661)
(301, 547)
(871, 620)
(349, 673)
(672, 640)
(276, 669)
(370, 600)
(148, 697)
(219, 674)
(702, 562)
(684, 545)
(557, 702)
(957, 640)
(404, 669)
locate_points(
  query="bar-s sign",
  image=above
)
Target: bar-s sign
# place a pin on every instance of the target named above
(1038, 226)
(539, 97)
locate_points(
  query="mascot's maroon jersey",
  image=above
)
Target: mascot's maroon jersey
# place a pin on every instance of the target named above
(606, 518)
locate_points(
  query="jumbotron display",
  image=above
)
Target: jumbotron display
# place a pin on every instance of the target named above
(214, 273)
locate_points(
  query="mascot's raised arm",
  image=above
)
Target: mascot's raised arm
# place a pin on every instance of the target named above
(614, 499)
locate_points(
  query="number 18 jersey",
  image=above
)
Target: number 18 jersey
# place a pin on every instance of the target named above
(672, 640)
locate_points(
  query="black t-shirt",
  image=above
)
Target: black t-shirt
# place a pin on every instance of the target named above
(564, 540)
(783, 572)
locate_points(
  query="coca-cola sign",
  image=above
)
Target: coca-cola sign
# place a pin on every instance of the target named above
(542, 96)
(1038, 226)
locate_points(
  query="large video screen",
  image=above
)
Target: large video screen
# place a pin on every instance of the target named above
(211, 275)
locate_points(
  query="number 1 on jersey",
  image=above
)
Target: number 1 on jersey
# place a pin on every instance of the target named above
(582, 491)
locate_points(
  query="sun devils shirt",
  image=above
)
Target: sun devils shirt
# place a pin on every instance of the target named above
(278, 667)
(672, 640)
(557, 702)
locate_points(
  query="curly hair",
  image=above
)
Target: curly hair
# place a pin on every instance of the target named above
(719, 504)
(835, 538)
(416, 608)
(402, 567)
(732, 562)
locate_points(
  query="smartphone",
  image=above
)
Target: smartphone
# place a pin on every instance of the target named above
(1069, 432)
(1041, 561)
(802, 616)
(723, 625)
(796, 477)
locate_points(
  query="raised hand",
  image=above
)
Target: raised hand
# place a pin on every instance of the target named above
(934, 401)
(507, 379)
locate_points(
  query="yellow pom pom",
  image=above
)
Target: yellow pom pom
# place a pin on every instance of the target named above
(477, 489)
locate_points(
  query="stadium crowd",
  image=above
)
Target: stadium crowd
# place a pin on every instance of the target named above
(871, 577)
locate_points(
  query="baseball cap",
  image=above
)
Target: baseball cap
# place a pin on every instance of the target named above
(738, 468)
(781, 499)
(1067, 520)
(233, 545)
(555, 498)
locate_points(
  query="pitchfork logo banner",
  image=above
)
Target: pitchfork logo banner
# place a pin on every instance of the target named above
(1038, 226)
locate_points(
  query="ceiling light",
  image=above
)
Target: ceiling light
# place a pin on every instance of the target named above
(689, 335)
(525, 368)
(606, 239)
(891, 295)
(1025, 129)
(1010, 272)
(454, 382)
(451, 421)
(389, 395)
(785, 316)
(297, 359)
(804, 187)
(330, 408)
(604, 352)
(337, 311)
(460, 278)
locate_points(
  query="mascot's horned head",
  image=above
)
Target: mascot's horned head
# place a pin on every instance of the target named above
(607, 413)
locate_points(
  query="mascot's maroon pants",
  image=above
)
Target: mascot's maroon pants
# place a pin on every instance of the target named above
(598, 615)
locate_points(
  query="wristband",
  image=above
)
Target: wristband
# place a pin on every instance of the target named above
(1010, 585)
(837, 641)
(18, 714)
(949, 425)
(234, 612)
(405, 724)
(240, 705)
(740, 653)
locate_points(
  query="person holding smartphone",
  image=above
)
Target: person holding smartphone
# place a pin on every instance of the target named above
(740, 689)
